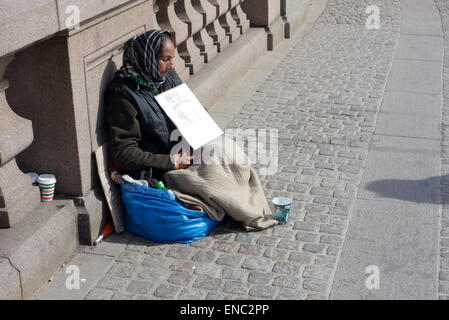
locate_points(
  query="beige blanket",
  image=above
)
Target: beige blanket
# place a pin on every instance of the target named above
(225, 184)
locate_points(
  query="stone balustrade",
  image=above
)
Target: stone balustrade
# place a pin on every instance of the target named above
(201, 28)
(17, 195)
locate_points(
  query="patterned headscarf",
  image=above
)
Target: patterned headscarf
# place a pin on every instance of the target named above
(140, 57)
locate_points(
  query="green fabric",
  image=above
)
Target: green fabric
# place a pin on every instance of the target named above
(145, 84)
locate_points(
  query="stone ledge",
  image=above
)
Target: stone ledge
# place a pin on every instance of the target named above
(26, 22)
(37, 245)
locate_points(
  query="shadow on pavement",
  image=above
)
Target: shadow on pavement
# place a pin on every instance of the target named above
(418, 191)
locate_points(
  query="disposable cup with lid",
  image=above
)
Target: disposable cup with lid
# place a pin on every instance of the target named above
(46, 179)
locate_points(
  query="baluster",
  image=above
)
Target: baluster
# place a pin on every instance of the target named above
(191, 52)
(240, 17)
(228, 23)
(202, 39)
(167, 19)
(17, 196)
(214, 29)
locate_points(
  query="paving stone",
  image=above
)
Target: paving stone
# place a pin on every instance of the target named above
(314, 248)
(276, 254)
(317, 272)
(124, 270)
(301, 258)
(265, 292)
(306, 236)
(192, 294)
(205, 242)
(289, 268)
(167, 291)
(332, 229)
(252, 249)
(179, 252)
(257, 263)
(267, 241)
(244, 237)
(306, 226)
(113, 283)
(288, 244)
(183, 266)
(290, 294)
(204, 256)
(331, 240)
(156, 248)
(225, 246)
(207, 270)
(129, 257)
(207, 283)
(234, 274)
(261, 278)
(152, 260)
(180, 278)
(286, 282)
(139, 287)
(152, 273)
(315, 285)
(236, 287)
(228, 260)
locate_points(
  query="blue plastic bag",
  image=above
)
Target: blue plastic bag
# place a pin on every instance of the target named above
(157, 215)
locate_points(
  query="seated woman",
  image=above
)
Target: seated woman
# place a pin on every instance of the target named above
(140, 138)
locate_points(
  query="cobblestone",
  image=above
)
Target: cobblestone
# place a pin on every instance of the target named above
(207, 283)
(234, 274)
(261, 278)
(166, 291)
(266, 292)
(290, 294)
(228, 260)
(286, 282)
(139, 287)
(236, 287)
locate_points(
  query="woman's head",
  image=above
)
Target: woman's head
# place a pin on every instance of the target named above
(166, 55)
(148, 56)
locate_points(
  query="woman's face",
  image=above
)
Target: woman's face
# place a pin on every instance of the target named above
(166, 56)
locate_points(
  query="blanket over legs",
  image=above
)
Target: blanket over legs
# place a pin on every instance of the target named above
(224, 182)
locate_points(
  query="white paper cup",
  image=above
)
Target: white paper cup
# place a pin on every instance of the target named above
(282, 209)
(47, 184)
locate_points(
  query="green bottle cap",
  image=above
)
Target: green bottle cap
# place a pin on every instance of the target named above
(160, 185)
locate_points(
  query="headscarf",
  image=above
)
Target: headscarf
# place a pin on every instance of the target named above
(140, 57)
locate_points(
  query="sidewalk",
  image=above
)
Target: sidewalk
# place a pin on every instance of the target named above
(358, 116)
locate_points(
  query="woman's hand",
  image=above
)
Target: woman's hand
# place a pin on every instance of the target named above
(182, 160)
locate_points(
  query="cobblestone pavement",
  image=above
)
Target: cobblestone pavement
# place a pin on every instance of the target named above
(443, 7)
(323, 98)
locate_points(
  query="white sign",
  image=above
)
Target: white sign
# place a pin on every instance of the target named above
(189, 116)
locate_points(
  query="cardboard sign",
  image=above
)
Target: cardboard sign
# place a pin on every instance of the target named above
(189, 116)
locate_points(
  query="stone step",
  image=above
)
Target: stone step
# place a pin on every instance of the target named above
(34, 248)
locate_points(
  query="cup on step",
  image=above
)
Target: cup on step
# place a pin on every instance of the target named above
(47, 183)
(282, 209)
